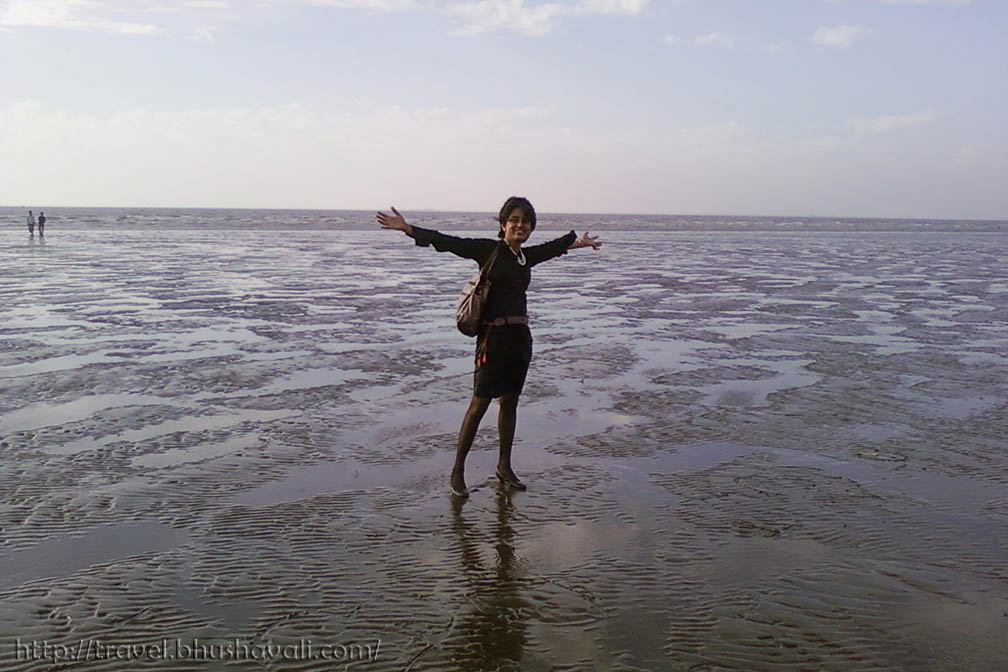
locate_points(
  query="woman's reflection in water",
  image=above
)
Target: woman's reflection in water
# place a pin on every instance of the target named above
(492, 634)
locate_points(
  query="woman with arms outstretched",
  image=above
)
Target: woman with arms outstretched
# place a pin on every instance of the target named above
(504, 342)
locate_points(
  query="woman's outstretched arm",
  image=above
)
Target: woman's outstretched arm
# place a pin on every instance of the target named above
(586, 241)
(468, 248)
(559, 246)
(394, 221)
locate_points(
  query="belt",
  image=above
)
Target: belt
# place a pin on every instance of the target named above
(509, 319)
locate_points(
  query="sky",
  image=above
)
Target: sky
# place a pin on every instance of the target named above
(846, 108)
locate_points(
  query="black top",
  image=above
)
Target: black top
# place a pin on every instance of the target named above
(508, 279)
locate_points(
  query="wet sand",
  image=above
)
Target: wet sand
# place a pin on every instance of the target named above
(745, 451)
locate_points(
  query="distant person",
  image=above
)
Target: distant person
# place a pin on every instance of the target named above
(41, 223)
(31, 223)
(504, 342)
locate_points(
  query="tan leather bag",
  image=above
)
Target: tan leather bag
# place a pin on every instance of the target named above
(473, 298)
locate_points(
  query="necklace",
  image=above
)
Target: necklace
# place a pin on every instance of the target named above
(519, 255)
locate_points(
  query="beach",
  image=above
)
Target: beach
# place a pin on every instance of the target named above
(745, 449)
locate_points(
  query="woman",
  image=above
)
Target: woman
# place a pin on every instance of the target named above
(504, 342)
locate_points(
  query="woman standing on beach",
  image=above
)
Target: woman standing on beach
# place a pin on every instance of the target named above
(504, 342)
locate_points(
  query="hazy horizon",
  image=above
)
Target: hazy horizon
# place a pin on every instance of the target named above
(541, 213)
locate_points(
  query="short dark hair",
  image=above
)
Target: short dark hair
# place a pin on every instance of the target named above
(509, 205)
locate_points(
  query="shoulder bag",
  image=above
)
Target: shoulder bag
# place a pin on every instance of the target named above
(473, 298)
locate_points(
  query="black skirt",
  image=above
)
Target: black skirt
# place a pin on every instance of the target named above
(501, 367)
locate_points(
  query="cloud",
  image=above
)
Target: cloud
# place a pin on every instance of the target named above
(364, 153)
(536, 20)
(202, 34)
(477, 16)
(975, 153)
(68, 15)
(295, 153)
(950, 3)
(838, 36)
(487, 15)
(613, 7)
(884, 124)
(482, 16)
(712, 39)
(373, 5)
(349, 154)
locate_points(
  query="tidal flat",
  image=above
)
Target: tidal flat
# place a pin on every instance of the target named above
(744, 450)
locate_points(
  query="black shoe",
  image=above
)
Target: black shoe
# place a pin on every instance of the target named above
(511, 481)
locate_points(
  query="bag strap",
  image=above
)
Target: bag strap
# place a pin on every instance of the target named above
(485, 270)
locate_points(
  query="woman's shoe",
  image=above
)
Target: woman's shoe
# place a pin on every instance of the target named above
(511, 481)
(459, 490)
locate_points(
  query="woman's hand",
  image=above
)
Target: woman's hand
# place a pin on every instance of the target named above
(587, 241)
(394, 221)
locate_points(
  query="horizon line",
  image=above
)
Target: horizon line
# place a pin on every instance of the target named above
(548, 212)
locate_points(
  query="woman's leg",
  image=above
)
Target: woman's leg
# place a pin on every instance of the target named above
(470, 423)
(507, 420)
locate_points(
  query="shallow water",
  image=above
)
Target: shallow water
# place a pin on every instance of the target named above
(772, 450)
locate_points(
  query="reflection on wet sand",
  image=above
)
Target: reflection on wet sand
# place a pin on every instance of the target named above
(492, 634)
